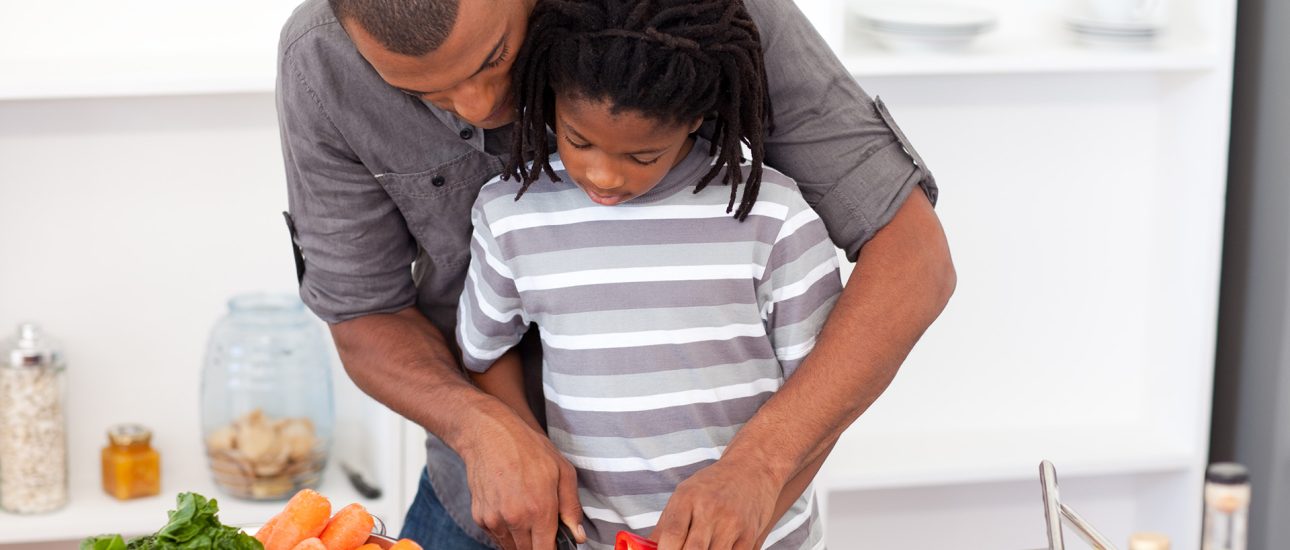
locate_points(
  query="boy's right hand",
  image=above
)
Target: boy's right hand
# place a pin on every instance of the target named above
(520, 484)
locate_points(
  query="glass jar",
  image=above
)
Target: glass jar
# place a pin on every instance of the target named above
(33, 425)
(267, 398)
(131, 467)
(1227, 507)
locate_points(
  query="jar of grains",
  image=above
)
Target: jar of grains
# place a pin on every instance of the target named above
(33, 430)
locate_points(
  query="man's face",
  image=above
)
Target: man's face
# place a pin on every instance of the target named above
(615, 157)
(469, 74)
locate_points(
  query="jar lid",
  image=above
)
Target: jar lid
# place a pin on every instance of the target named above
(30, 348)
(129, 434)
(1227, 473)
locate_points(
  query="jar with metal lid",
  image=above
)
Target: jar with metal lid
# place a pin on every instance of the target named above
(131, 467)
(33, 425)
(1227, 507)
(267, 398)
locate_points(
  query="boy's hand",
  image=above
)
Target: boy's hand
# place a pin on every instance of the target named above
(726, 506)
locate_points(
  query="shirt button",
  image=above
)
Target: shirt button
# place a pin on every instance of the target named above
(437, 181)
(466, 133)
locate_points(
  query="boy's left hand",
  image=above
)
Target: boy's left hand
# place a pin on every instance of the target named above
(725, 506)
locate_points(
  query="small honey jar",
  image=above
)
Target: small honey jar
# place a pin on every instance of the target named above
(131, 467)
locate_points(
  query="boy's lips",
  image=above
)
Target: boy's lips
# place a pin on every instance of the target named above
(605, 200)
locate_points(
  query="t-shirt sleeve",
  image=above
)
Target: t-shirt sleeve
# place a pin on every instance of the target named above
(490, 316)
(799, 286)
(356, 247)
(851, 161)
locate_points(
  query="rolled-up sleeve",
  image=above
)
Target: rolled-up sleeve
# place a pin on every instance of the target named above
(854, 165)
(356, 246)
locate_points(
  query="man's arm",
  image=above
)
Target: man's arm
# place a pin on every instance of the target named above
(901, 283)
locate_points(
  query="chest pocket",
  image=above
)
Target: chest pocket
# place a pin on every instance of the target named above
(436, 204)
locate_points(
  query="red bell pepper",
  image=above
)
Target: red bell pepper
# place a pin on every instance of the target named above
(629, 541)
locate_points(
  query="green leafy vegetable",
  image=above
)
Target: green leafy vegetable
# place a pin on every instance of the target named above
(194, 525)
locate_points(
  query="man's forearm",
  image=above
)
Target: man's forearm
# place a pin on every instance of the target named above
(403, 361)
(900, 284)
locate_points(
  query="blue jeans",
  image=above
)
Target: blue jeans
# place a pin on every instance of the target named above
(429, 524)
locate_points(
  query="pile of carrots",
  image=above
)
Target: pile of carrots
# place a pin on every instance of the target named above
(307, 524)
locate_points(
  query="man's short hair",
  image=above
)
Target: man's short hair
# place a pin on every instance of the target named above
(408, 27)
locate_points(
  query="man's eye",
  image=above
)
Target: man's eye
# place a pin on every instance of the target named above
(500, 59)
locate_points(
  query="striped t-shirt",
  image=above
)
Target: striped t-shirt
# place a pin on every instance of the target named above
(665, 324)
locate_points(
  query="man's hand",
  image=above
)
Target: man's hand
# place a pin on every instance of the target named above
(726, 506)
(519, 482)
(520, 485)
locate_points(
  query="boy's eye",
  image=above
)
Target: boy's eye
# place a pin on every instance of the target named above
(576, 145)
(646, 162)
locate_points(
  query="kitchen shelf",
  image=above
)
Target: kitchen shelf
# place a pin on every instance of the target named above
(1053, 61)
(867, 462)
(91, 512)
(130, 76)
(254, 72)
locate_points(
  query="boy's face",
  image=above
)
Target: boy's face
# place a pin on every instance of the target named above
(469, 74)
(615, 157)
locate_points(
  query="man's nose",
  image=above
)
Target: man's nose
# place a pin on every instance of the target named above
(474, 103)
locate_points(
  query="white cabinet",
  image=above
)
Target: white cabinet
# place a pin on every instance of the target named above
(1082, 192)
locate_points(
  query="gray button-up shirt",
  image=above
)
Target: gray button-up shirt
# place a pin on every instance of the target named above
(381, 184)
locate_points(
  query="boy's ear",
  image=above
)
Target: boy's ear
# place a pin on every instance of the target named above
(695, 126)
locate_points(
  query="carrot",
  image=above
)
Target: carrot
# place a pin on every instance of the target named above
(303, 518)
(369, 546)
(265, 531)
(405, 544)
(348, 529)
(312, 543)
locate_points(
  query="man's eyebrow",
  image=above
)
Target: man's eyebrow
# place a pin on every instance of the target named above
(584, 138)
(484, 65)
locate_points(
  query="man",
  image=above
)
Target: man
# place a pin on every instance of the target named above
(395, 112)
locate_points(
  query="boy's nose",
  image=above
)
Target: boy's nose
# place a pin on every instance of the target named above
(604, 180)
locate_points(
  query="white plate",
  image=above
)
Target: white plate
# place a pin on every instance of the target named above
(1105, 32)
(1090, 23)
(907, 42)
(1112, 41)
(926, 17)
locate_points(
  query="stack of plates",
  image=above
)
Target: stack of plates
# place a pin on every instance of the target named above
(1092, 31)
(925, 26)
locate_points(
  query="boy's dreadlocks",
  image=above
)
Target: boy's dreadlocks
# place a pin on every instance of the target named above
(670, 60)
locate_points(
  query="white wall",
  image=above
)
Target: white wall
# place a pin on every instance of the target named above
(127, 224)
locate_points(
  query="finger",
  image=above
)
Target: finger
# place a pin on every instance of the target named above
(570, 506)
(672, 527)
(724, 537)
(543, 532)
(503, 539)
(523, 538)
(493, 525)
(744, 542)
(698, 538)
